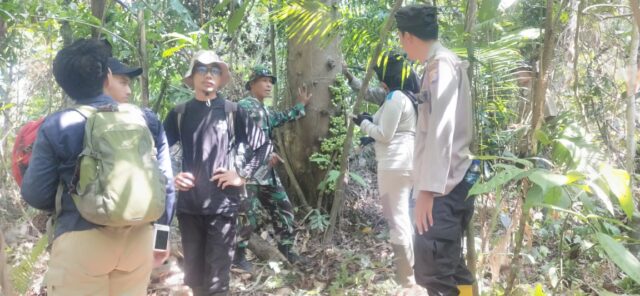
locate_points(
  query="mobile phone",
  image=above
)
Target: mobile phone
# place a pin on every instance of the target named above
(161, 237)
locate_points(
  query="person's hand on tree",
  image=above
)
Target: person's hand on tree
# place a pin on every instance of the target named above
(423, 211)
(304, 95)
(274, 159)
(226, 178)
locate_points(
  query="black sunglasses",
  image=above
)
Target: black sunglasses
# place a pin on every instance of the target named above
(201, 69)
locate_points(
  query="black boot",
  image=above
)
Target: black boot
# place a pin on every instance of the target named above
(240, 259)
(291, 256)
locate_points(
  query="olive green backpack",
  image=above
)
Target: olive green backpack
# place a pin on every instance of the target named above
(118, 180)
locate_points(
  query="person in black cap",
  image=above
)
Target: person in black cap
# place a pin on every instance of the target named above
(118, 87)
(118, 84)
(443, 171)
(87, 258)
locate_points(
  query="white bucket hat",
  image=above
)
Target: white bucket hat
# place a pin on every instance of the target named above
(207, 57)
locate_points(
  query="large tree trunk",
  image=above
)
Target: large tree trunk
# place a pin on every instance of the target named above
(293, 180)
(309, 63)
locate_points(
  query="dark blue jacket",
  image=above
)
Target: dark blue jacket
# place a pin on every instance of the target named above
(55, 153)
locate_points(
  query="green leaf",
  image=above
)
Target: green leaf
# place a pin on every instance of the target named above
(333, 176)
(488, 10)
(171, 51)
(22, 274)
(534, 197)
(547, 180)
(507, 174)
(220, 7)
(358, 179)
(556, 196)
(620, 256)
(620, 184)
(179, 37)
(6, 106)
(236, 18)
(601, 195)
(542, 137)
(574, 176)
(538, 291)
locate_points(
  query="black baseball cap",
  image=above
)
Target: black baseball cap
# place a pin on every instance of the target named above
(118, 68)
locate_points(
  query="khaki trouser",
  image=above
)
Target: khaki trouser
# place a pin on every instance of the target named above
(101, 261)
(395, 191)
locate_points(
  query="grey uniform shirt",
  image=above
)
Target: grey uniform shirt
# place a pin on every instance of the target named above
(393, 128)
(444, 130)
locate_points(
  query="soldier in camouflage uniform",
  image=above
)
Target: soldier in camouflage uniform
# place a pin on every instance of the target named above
(265, 187)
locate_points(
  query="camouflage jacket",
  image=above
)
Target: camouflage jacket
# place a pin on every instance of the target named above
(268, 119)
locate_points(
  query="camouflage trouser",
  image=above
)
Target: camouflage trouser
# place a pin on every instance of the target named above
(280, 213)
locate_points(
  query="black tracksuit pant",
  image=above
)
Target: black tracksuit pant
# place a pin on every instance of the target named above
(208, 244)
(439, 264)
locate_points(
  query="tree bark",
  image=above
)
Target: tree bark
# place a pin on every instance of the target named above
(310, 64)
(263, 250)
(522, 223)
(161, 95)
(540, 87)
(293, 180)
(65, 28)
(142, 49)
(341, 182)
(98, 11)
(3, 29)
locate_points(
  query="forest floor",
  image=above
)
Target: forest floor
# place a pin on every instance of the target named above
(358, 263)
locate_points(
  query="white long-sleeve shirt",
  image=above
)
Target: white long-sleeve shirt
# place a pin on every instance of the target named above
(393, 128)
(445, 129)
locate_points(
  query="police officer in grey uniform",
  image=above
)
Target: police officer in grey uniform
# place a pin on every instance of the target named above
(443, 170)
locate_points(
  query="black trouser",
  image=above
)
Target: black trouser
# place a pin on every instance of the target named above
(208, 244)
(439, 263)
